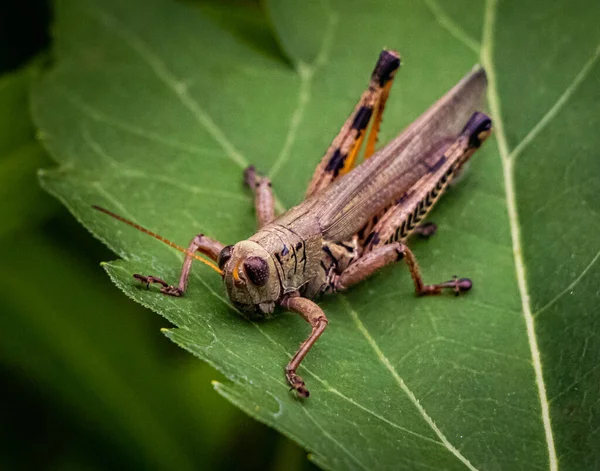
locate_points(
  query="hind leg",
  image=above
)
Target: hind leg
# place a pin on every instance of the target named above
(342, 153)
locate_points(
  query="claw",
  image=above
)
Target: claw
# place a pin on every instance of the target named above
(172, 291)
(462, 285)
(426, 230)
(297, 383)
(166, 288)
(459, 285)
(148, 280)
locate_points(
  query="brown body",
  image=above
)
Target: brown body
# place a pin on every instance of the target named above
(353, 221)
(317, 240)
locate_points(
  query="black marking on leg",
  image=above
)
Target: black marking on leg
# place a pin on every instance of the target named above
(386, 66)
(403, 229)
(336, 162)
(298, 245)
(347, 247)
(361, 233)
(399, 255)
(416, 215)
(362, 118)
(478, 127)
(327, 250)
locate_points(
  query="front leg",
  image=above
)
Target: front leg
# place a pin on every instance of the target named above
(200, 243)
(387, 254)
(315, 316)
(264, 202)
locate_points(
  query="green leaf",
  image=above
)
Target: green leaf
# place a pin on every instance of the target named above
(20, 156)
(58, 342)
(82, 348)
(153, 112)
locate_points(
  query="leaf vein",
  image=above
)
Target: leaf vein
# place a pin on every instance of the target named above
(332, 438)
(509, 185)
(451, 26)
(333, 390)
(574, 283)
(100, 117)
(127, 172)
(306, 73)
(575, 383)
(558, 105)
(386, 362)
(176, 86)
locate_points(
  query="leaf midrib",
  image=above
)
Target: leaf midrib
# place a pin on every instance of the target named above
(487, 45)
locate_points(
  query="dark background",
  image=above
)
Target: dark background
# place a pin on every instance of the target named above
(88, 381)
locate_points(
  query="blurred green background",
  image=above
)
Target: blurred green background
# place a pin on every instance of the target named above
(88, 381)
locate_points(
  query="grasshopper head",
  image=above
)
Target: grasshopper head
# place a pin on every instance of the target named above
(250, 277)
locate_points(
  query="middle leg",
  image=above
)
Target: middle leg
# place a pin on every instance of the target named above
(315, 316)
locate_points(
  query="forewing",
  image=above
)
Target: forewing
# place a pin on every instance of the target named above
(349, 203)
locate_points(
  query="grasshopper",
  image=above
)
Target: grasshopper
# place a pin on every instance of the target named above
(353, 221)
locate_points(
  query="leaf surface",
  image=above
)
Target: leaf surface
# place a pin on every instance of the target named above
(20, 156)
(85, 350)
(153, 112)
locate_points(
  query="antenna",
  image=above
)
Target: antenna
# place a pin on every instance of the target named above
(158, 237)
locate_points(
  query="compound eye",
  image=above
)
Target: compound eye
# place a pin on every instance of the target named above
(257, 270)
(224, 256)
